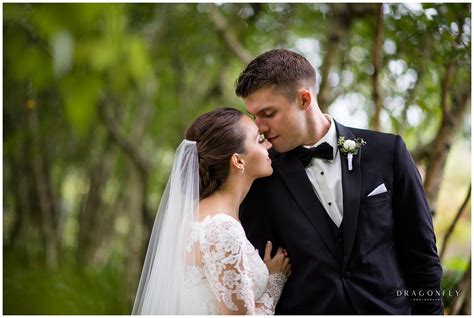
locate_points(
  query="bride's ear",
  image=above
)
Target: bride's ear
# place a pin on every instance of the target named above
(237, 161)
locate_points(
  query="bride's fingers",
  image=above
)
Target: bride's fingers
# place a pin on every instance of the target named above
(280, 251)
(268, 251)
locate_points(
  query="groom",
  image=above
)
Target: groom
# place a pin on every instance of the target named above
(352, 215)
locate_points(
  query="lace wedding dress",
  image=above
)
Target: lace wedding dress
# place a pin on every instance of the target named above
(229, 272)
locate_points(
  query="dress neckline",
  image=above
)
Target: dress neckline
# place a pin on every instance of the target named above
(210, 216)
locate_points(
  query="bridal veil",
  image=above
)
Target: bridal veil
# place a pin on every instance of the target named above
(162, 281)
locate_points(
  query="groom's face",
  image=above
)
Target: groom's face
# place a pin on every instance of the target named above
(279, 119)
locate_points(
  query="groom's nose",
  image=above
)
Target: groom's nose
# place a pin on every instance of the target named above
(262, 127)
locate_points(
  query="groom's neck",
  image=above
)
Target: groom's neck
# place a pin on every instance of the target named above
(318, 126)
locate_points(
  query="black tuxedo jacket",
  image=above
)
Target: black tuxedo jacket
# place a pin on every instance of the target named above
(384, 251)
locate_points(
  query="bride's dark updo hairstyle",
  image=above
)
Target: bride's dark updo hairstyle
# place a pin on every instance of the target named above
(218, 136)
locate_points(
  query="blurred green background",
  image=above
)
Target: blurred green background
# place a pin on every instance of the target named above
(96, 97)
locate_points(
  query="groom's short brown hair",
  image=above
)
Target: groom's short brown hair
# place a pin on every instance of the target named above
(281, 69)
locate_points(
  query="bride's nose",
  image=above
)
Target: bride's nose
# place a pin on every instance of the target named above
(268, 145)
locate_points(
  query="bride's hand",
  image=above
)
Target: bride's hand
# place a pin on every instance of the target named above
(280, 263)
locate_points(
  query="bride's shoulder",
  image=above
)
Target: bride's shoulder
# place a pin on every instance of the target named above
(219, 218)
(221, 225)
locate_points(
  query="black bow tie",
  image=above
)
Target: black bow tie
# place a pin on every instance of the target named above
(322, 151)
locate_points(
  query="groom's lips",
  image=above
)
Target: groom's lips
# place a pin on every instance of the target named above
(270, 139)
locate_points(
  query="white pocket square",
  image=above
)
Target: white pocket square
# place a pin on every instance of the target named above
(380, 189)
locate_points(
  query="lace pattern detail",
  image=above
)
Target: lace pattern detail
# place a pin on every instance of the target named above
(271, 295)
(233, 270)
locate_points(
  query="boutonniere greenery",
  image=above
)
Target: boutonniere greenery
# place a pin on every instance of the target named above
(350, 148)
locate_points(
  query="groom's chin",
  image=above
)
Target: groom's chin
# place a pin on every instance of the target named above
(278, 147)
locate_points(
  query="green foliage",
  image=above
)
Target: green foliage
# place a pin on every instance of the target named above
(31, 290)
(453, 271)
(81, 95)
(158, 66)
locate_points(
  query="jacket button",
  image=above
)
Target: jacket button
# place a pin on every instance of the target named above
(347, 274)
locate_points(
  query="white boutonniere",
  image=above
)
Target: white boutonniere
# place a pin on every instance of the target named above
(350, 148)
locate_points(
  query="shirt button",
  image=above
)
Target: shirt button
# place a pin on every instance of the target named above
(339, 240)
(329, 203)
(322, 172)
(347, 274)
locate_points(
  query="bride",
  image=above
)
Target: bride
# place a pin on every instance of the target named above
(199, 260)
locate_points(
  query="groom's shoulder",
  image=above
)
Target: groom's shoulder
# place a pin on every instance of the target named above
(378, 138)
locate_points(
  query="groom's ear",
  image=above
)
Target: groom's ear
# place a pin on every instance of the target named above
(237, 161)
(304, 98)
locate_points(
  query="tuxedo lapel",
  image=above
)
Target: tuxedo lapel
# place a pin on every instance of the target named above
(297, 181)
(351, 181)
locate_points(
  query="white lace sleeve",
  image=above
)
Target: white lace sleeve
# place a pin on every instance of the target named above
(226, 266)
(266, 304)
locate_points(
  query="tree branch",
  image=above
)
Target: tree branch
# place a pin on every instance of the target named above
(132, 151)
(229, 37)
(445, 86)
(450, 230)
(342, 16)
(120, 138)
(448, 78)
(420, 68)
(337, 31)
(329, 58)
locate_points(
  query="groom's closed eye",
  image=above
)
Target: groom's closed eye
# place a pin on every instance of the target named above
(266, 113)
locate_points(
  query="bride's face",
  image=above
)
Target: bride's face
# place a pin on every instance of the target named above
(257, 162)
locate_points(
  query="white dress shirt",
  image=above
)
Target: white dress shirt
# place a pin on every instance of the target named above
(326, 178)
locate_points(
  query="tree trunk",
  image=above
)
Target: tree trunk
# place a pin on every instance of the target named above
(450, 125)
(25, 232)
(337, 32)
(377, 62)
(340, 21)
(136, 233)
(42, 182)
(92, 214)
